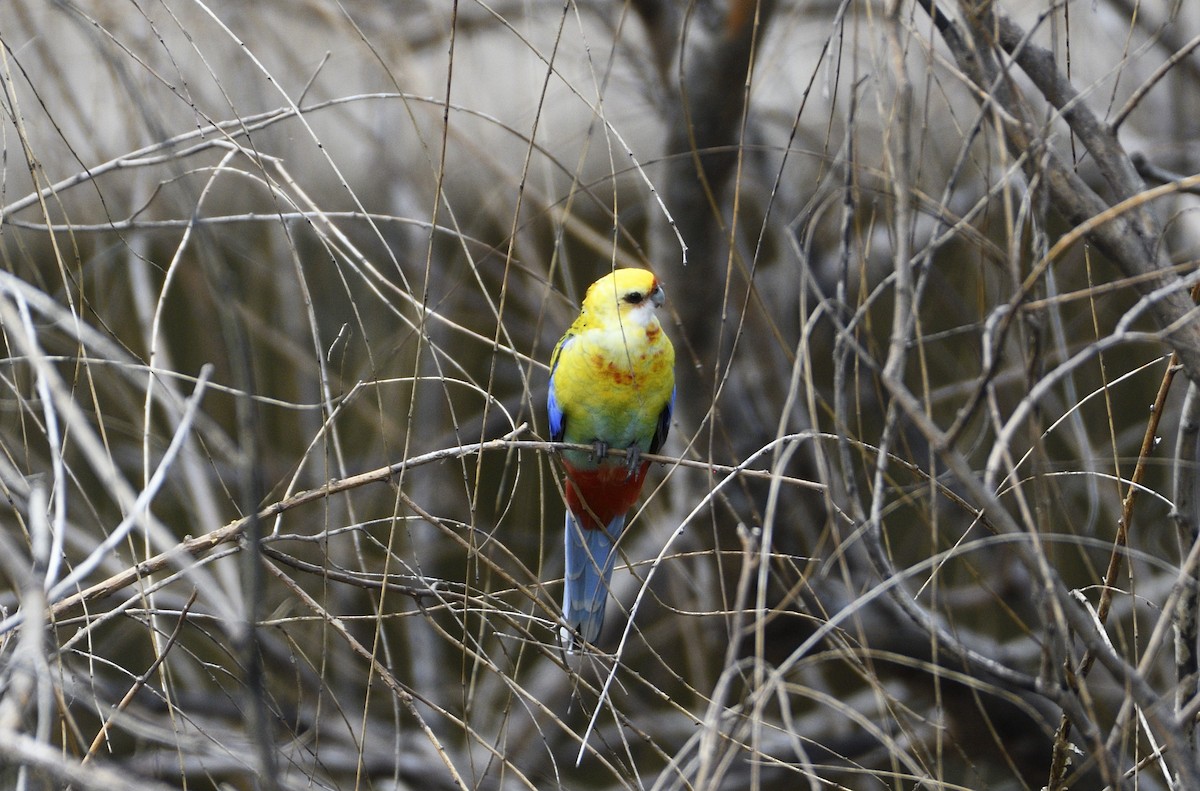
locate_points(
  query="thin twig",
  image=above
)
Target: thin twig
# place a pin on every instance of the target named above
(193, 547)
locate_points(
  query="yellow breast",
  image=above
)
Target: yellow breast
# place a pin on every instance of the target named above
(614, 383)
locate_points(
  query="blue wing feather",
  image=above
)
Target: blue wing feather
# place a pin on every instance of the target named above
(558, 420)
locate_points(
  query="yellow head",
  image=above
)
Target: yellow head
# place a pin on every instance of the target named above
(629, 295)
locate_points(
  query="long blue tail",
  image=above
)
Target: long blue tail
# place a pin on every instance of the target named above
(590, 559)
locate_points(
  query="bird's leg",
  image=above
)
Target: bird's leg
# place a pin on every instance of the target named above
(599, 449)
(633, 457)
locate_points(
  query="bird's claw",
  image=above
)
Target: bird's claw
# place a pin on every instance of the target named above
(633, 457)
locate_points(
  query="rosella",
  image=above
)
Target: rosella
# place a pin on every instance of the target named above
(612, 385)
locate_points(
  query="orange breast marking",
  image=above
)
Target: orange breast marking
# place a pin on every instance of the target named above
(611, 371)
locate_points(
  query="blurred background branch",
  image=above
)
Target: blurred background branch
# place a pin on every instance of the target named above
(915, 525)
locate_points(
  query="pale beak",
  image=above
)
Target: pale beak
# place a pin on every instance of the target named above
(658, 296)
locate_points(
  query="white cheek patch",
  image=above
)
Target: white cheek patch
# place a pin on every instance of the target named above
(642, 315)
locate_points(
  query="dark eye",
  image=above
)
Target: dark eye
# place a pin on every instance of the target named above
(634, 297)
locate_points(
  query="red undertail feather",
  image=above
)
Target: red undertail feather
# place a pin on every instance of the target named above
(597, 496)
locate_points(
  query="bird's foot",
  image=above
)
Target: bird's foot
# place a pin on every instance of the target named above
(633, 457)
(599, 449)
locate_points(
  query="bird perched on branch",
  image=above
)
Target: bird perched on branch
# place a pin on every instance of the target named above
(612, 385)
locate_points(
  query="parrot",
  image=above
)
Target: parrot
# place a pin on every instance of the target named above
(612, 385)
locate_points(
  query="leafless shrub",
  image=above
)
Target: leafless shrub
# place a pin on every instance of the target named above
(280, 282)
